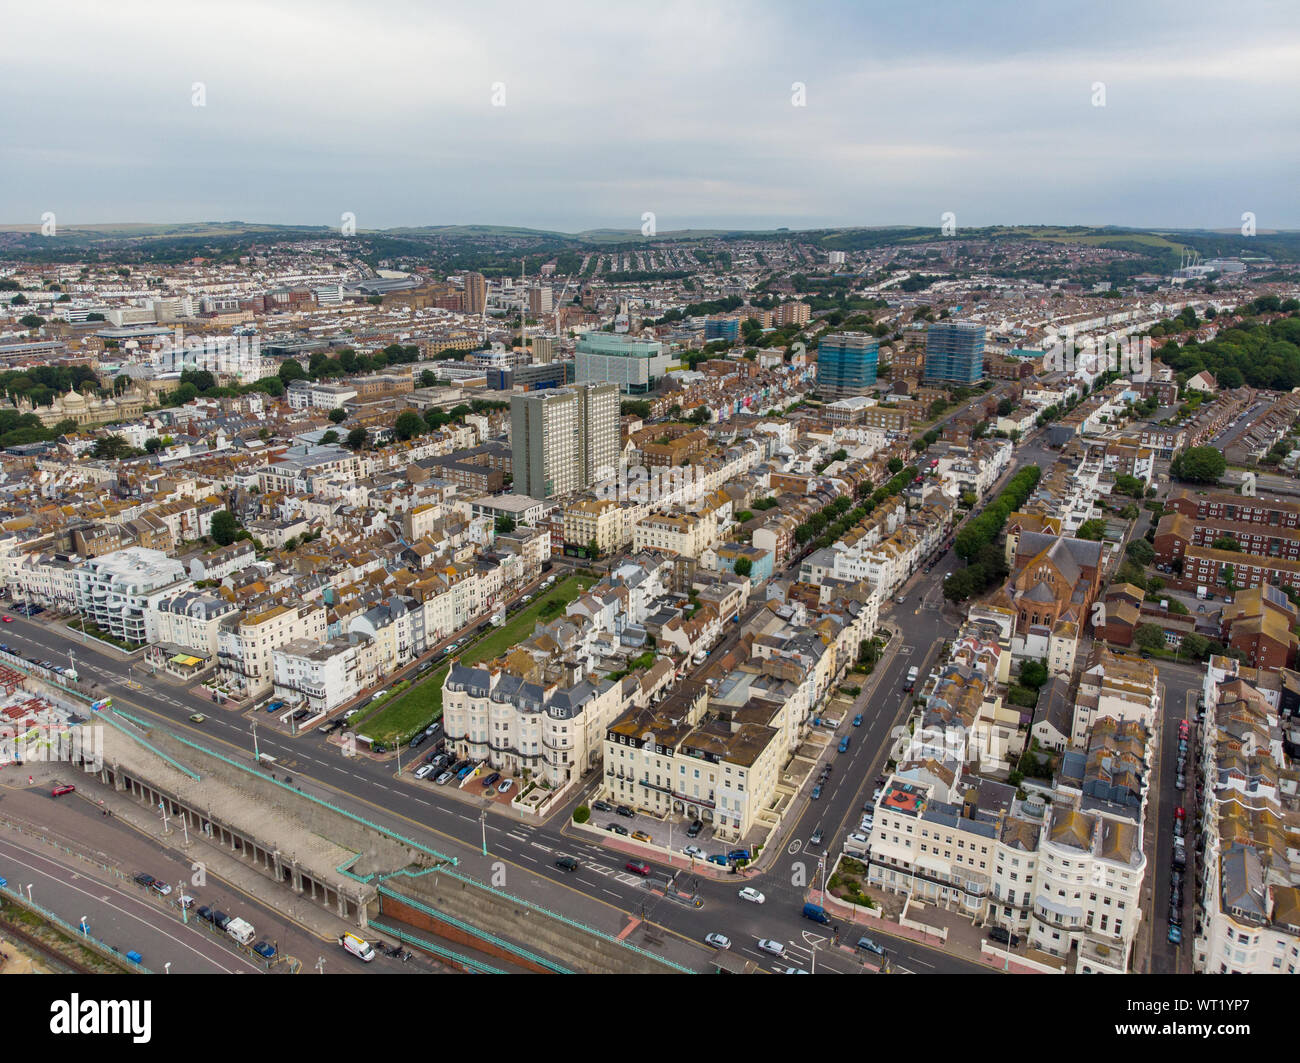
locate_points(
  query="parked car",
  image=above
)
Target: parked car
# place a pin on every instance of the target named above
(718, 941)
(695, 851)
(204, 912)
(774, 947)
(719, 859)
(567, 863)
(144, 880)
(601, 806)
(504, 786)
(816, 838)
(492, 779)
(641, 836)
(857, 720)
(264, 950)
(616, 828)
(1003, 935)
(1181, 782)
(63, 788)
(638, 867)
(624, 810)
(220, 918)
(1179, 812)
(417, 741)
(752, 895)
(694, 829)
(424, 771)
(163, 889)
(844, 744)
(1175, 935)
(445, 778)
(816, 792)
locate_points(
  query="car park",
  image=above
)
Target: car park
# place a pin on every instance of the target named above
(638, 867)
(774, 947)
(718, 941)
(616, 828)
(567, 863)
(748, 893)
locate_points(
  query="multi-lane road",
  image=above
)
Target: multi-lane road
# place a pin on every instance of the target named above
(454, 826)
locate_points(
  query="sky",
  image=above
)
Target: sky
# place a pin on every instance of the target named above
(706, 113)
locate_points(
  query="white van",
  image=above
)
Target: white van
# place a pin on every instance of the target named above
(358, 947)
(241, 930)
(913, 674)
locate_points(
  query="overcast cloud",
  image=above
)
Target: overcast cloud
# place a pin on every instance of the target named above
(684, 109)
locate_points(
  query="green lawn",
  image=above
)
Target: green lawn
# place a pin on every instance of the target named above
(399, 719)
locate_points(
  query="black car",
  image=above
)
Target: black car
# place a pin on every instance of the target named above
(601, 806)
(144, 880)
(624, 810)
(204, 912)
(567, 863)
(617, 828)
(221, 919)
(1004, 936)
(418, 740)
(816, 838)
(492, 779)
(694, 829)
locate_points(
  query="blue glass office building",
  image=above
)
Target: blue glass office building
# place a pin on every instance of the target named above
(721, 328)
(954, 352)
(846, 364)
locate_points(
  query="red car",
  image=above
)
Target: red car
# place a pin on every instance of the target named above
(1179, 813)
(637, 867)
(7, 619)
(63, 788)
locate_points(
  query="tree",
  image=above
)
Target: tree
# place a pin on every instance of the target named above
(31, 321)
(1005, 407)
(356, 439)
(338, 415)
(743, 567)
(224, 527)
(1140, 552)
(329, 437)
(428, 378)
(1091, 529)
(1226, 542)
(1198, 465)
(18, 300)
(1129, 485)
(291, 370)
(152, 445)
(1149, 637)
(895, 466)
(505, 524)
(1033, 674)
(700, 415)
(408, 425)
(1194, 646)
(110, 447)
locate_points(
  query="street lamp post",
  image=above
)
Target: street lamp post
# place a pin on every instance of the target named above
(29, 892)
(85, 927)
(257, 757)
(482, 819)
(167, 967)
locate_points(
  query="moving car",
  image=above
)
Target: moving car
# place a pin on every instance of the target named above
(774, 947)
(567, 863)
(638, 867)
(870, 946)
(718, 941)
(844, 744)
(816, 838)
(63, 788)
(197, 717)
(748, 893)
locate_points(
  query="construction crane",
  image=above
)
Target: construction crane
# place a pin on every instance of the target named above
(559, 303)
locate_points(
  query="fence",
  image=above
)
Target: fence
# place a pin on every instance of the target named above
(109, 951)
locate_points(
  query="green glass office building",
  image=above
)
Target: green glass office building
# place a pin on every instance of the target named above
(954, 353)
(846, 364)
